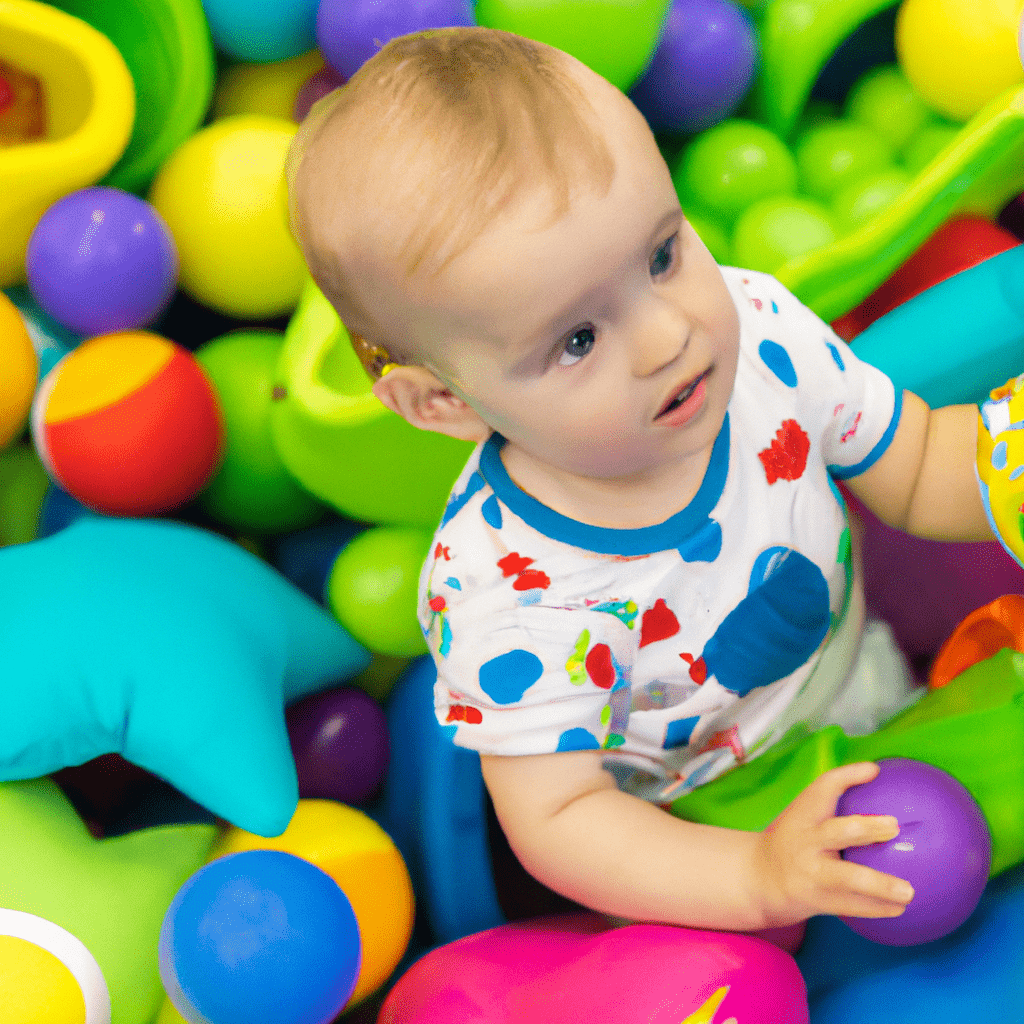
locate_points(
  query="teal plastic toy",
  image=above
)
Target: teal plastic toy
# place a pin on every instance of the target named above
(168, 645)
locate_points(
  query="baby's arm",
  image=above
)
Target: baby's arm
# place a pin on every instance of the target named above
(924, 482)
(573, 830)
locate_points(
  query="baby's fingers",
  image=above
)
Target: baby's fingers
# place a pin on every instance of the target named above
(859, 891)
(857, 830)
(818, 801)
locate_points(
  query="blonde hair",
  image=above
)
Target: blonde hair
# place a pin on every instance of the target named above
(497, 116)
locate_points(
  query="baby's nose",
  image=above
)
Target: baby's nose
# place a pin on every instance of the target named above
(658, 346)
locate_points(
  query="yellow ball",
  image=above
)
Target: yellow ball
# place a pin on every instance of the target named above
(19, 369)
(264, 88)
(224, 198)
(959, 54)
(46, 975)
(359, 855)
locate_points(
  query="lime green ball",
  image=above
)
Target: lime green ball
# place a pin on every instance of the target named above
(886, 102)
(927, 144)
(774, 231)
(732, 166)
(712, 233)
(252, 490)
(858, 203)
(23, 484)
(372, 589)
(615, 38)
(834, 154)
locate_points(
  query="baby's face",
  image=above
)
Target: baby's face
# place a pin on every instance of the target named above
(604, 345)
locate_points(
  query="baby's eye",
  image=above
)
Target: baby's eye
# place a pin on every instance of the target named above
(579, 343)
(664, 257)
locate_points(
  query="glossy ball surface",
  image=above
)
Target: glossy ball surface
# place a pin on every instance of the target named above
(340, 742)
(102, 260)
(702, 68)
(259, 935)
(943, 850)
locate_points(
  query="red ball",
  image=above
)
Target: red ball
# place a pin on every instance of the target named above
(128, 424)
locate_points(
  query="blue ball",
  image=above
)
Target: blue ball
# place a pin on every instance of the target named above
(263, 936)
(260, 33)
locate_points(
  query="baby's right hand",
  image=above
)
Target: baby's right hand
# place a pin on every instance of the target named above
(798, 870)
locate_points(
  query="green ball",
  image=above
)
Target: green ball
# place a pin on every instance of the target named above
(886, 102)
(834, 154)
(777, 230)
(23, 484)
(732, 166)
(615, 38)
(252, 490)
(372, 589)
(712, 233)
(865, 198)
(928, 143)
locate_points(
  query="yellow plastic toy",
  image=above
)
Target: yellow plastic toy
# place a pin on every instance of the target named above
(89, 100)
(1000, 465)
(47, 976)
(264, 88)
(959, 54)
(19, 369)
(222, 194)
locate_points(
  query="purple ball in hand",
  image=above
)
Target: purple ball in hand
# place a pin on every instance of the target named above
(943, 849)
(702, 68)
(340, 742)
(102, 260)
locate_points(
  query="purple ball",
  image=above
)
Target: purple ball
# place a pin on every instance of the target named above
(340, 743)
(315, 88)
(102, 260)
(350, 32)
(944, 849)
(702, 68)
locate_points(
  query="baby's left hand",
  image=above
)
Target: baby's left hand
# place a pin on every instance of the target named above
(1000, 464)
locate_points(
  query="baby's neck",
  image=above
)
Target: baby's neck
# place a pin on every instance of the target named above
(613, 503)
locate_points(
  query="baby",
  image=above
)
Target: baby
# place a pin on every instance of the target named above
(644, 575)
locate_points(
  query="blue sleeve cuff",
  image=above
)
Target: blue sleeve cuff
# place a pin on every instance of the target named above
(845, 472)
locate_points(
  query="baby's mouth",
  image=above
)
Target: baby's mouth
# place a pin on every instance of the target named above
(684, 394)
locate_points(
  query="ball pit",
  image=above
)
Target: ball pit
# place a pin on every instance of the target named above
(298, 416)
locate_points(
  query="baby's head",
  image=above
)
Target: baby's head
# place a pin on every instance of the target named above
(483, 211)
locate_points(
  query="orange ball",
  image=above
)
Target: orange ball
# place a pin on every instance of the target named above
(18, 369)
(128, 424)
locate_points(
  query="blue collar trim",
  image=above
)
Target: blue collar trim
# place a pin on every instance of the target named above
(674, 532)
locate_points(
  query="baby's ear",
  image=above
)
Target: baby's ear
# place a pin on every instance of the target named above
(423, 400)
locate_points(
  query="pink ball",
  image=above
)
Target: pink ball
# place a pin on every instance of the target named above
(578, 969)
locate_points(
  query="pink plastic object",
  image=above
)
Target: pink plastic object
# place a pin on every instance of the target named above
(575, 968)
